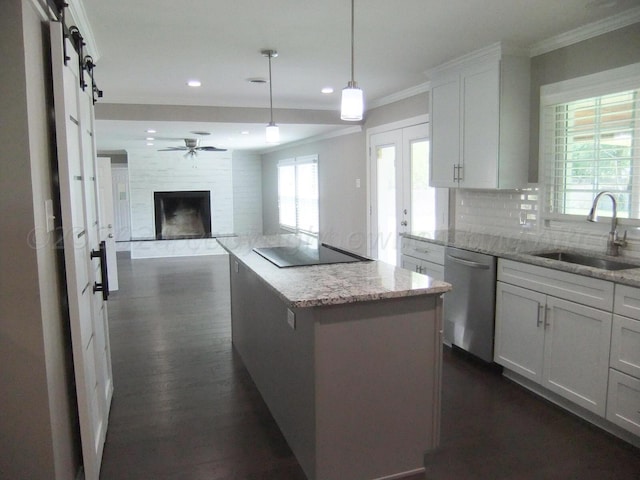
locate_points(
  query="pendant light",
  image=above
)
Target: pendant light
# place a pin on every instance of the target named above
(272, 131)
(352, 96)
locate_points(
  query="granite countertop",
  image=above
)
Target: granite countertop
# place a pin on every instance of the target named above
(318, 285)
(523, 250)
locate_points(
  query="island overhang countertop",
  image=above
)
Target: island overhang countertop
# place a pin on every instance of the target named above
(339, 283)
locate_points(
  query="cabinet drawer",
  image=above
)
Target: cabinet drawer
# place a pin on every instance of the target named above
(431, 252)
(627, 301)
(589, 291)
(625, 345)
(430, 269)
(623, 401)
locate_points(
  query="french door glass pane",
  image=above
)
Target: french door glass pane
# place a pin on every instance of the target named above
(387, 234)
(423, 197)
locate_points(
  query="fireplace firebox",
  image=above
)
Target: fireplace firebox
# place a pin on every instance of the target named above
(182, 214)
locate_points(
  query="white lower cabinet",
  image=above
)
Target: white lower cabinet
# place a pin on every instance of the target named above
(559, 344)
(576, 353)
(519, 334)
(623, 402)
(423, 257)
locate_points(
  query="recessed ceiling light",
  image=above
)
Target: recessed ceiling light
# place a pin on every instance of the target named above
(194, 83)
(149, 144)
(244, 132)
(149, 139)
(327, 90)
(151, 130)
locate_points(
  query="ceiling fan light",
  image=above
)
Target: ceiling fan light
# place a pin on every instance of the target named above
(352, 103)
(273, 133)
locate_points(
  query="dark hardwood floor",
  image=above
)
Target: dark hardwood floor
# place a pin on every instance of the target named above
(185, 407)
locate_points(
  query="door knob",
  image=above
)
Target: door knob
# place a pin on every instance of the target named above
(110, 235)
(404, 223)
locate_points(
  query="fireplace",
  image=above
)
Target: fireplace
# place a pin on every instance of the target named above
(182, 214)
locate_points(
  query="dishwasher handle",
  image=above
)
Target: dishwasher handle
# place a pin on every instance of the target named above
(468, 263)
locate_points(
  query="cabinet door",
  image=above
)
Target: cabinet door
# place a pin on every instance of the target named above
(625, 345)
(576, 353)
(519, 332)
(623, 401)
(445, 132)
(480, 87)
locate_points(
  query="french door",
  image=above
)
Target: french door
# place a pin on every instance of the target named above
(401, 199)
(83, 252)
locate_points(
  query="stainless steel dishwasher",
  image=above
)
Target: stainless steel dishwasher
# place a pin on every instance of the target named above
(469, 308)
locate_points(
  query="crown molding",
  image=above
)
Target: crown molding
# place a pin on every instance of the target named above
(79, 17)
(606, 25)
(401, 95)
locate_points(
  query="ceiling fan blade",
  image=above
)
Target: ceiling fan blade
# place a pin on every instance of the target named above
(211, 149)
(172, 149)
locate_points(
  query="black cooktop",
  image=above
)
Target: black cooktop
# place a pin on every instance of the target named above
(307, 255)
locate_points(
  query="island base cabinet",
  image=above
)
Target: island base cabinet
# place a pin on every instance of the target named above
(376, 387)
(354, 388)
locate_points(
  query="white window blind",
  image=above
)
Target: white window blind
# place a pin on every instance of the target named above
(590, 144)
(298, 194)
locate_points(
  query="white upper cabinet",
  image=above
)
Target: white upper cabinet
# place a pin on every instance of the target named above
(480, 121)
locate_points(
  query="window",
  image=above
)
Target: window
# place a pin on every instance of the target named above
(298, 194)
(591, 143)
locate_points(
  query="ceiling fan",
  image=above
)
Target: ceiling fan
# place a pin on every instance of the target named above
(192, 147)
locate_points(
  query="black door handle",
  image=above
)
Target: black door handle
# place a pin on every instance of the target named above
(104, 286)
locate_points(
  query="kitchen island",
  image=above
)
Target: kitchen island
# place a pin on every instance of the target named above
(347, 357)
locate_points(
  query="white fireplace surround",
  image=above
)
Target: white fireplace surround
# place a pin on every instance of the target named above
(153, 171)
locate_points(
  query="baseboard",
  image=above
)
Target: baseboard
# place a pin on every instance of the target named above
(572, 408)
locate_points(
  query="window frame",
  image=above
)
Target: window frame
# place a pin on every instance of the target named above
(295, 162)
(595, 85)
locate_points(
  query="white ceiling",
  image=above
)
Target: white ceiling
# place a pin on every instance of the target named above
(148, 49)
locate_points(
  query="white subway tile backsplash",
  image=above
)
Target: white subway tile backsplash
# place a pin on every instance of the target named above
(516, 214)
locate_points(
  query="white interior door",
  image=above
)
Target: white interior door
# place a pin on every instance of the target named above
(106, 219)
(401, 199)
(120, 188)
(78, 196)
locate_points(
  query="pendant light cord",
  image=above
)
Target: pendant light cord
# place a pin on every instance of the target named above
(270, 90)
(353, 77)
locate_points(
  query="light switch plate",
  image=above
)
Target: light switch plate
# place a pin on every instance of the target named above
(291, 318)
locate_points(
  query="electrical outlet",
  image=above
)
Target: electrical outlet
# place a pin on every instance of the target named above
(357, 183)
(291, 318)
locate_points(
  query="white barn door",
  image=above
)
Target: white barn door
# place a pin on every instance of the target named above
(106, 218)
(82, 251)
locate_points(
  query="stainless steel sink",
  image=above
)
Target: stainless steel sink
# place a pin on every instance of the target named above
(581, 259)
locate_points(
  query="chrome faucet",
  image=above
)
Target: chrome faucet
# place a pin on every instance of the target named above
(614, 242)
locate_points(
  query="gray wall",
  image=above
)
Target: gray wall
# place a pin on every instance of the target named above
(604, 52)
(341, 160)
(246, 171)
(37, 422)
